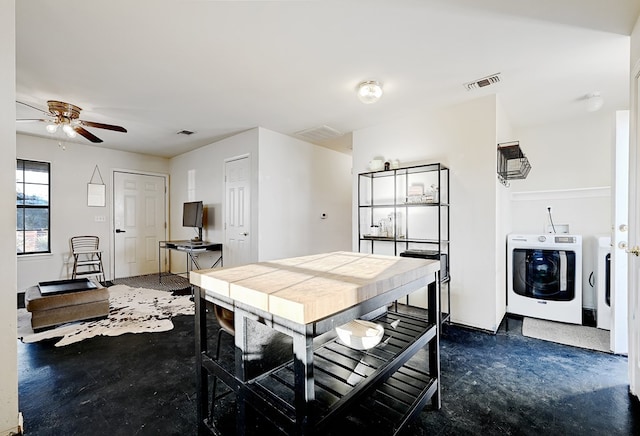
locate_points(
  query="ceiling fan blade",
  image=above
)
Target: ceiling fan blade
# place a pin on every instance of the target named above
(90, 136)
(22, 120)
(103, 126)
(36, 108)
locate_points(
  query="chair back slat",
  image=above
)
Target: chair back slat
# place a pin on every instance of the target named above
(84, 243)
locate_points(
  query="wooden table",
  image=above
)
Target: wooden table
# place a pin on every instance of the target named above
(305, 297)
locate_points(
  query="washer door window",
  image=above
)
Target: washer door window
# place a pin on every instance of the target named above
(544, 274)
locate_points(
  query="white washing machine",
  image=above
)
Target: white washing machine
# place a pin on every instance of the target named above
(603, 283)
(544, 276)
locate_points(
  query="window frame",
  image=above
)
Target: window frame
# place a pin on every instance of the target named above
(20, 166)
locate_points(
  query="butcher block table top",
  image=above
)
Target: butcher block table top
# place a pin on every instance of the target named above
(308, 288)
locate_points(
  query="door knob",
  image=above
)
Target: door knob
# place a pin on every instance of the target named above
(634, 250)
(244, 234)
(120, 231)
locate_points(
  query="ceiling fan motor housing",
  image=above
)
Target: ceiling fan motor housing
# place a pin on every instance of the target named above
(64, 110)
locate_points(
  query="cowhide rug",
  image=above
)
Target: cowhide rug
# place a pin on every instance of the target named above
(131, 310)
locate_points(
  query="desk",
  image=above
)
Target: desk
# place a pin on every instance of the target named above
(191, 249)
(305, 297)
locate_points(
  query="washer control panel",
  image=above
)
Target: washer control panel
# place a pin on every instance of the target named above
(565, 239)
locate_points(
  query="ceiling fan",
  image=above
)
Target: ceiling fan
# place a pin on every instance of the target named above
(67, 116)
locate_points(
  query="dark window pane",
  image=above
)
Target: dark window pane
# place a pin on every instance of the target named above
(32, 211)
(36, 194)
(19, 242)
(19, 193)
(36, 172)
(36, 241)
(36, 219)
(20, 219)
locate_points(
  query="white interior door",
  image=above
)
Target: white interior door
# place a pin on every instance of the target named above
(634, 238)
(619, 339)
(237, 212)
(139, 202)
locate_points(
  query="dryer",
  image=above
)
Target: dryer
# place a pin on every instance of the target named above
(544, 276)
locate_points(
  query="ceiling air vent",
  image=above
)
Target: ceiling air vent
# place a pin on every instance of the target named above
(185, 132)
(321, 133)
(481, 83)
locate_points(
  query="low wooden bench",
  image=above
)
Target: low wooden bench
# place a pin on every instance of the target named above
(51, 310)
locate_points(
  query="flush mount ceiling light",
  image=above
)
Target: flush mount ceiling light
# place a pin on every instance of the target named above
(594, 101)
(369, 91)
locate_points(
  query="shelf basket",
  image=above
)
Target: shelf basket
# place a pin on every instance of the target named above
(512, 163)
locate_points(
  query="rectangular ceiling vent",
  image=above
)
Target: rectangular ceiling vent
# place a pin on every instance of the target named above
(481, 83)
(321, 133)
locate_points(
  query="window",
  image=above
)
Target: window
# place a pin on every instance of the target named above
(32, 201)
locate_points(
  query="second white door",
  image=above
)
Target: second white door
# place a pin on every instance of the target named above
(238, 212)
(139, 222)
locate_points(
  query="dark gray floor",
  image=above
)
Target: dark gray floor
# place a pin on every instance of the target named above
(503, 384)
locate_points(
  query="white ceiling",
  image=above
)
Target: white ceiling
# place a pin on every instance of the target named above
(220, 67)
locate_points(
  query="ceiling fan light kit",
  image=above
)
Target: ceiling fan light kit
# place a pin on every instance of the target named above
(67, 115)
(369, 91)
(66, 128)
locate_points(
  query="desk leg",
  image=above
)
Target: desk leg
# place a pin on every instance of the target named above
(303, 380)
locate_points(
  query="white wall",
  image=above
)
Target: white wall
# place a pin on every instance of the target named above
(300, 181)
(8, 314)
(71, 170)
(207, 165)
(294, 182)
(571, 172)
(504, 133)
(463, 138)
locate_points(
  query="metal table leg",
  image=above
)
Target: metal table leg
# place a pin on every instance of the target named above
(202, 379)
(303, 380)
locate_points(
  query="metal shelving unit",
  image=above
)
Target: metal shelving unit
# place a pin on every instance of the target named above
(405, 212)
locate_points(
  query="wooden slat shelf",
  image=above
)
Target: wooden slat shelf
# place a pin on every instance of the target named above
(391, 406)
(342, 374)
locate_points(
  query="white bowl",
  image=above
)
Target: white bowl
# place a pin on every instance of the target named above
(360, 334)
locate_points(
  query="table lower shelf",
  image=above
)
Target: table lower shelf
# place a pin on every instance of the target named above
(343, 375)
(392, 406)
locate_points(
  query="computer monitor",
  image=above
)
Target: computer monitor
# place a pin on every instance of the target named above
(192, 213)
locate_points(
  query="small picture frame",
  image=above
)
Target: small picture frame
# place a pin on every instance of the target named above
(96, 195)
